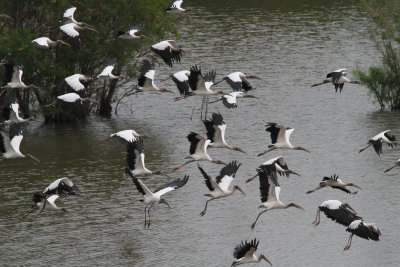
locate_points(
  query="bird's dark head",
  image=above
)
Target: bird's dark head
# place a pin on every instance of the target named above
(29, 156)
(235, 187)
(38, 197)
(162, 200)
(349, 207)
(322, 184)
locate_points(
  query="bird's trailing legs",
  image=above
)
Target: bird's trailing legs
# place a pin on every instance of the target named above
(317, 219)
(32, 210)
(205, 208)
(361, 150)
(148, 213)
(348, 243)
(270, 148)
(183, 164)
(254, 223)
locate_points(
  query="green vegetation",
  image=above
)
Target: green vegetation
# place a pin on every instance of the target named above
(383, 81)
(47, 69)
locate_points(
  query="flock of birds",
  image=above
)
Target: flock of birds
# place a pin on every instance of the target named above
(189, 83)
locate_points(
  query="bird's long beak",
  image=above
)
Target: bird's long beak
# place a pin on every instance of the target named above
(166, 203)
(241, 191)
(239, 149)
(302, 148)
(165, 90)
(390, 168)
(32, 157)
(264, 258)
(356, 186)
(145, 136)
(252, 178)
(33, 119)
(252, 96)
(295, 173)
(64, 43)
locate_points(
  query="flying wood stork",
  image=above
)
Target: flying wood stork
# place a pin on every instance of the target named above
(130, 34)
(68, 17)
(59, 188)
(383, 137)
(16, 80)
(46, 44)
(335, 183)
(280, 165)
(181, 80)
(155, 197)
(229, 100)
(244, 253)
(135, 158)
(106, 74)
(71, 32)
(125, 136)
(269, 191)
(216, 127)
(238, 81)
(363, 230)
(198, 150)
(146, 80)
(337, 211)
(72, 102)
(75, 84)
(175, 6)
(220, 187)
(168, 50)
(396, 164)
(337, 78)
(10, 142)
(11, 115)
(280, 138)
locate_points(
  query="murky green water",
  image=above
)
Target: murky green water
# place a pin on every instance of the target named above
(290, 44)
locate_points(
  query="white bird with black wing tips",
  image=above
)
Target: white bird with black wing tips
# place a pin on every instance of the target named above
(337, 211)
(363, 230)
(181, 80)
(11, 114)
(126, 136)
(269, 191)
(59, 188)
(335, 183)
(130, 34)
(244, 253)
(198, 150)
(377, 141)
(68, 17)
(16, 80)
(175, 6)
(106, 73)
(238, 81)
(75, 84)
(338, 79)
(135, 158)
(71, 32)
(150, 198)
(280, 165)
(46, 43)
(168, 50)
(220, 187)
(229, 100)
(10, 142)
(396, 164)
(280, 138)
(216, 127)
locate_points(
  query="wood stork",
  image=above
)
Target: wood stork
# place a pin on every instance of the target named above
(175, 6)
(106, 74)
(71, 32)
(396, 164)
(269, 191)
(280, 165)
(337, 211)
(216, 127)
(229, 100)
(75, 84)
(383, 137)
(68, 17)
(135, 158)
(198, 150)
(125, 136)
(280, 138)
(46, 44)
(335, 183)
(16, 80)
(337, 78)
(181, 79)
(73, 102)
(146, 80)
(11, 115)
(220, 187)
(238, 81)
(244, 253)
(168, 50)
(363, 230)
(61, 187)
(130, 34)
(11, 141)
(155, 197)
